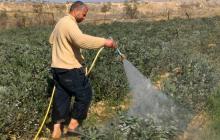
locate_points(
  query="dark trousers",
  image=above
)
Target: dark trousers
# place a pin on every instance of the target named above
(70, 83)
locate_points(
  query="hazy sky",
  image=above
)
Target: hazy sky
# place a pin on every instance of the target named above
(61, 1)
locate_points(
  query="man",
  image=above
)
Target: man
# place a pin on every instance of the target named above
(70, 80)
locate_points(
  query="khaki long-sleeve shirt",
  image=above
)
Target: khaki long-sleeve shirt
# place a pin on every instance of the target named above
(66, 41)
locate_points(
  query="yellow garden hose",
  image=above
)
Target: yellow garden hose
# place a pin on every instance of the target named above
(45, 117)
(94, 61)
(51, 99)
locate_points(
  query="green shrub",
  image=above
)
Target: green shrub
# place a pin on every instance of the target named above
(153, 47)
(129, 128)
(213, 109)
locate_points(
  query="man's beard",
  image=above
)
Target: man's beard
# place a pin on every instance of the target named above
(78, 20)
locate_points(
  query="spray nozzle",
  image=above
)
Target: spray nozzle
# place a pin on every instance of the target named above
(118, 51)
(122, 56)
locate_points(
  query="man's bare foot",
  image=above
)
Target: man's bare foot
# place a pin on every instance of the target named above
(56, 131)
(73, 124)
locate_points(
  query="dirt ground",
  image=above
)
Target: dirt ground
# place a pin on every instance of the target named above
(29, 14)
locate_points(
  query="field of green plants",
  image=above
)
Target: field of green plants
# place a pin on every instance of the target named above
(188, 50)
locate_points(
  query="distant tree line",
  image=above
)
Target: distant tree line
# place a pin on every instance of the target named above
(131, 9)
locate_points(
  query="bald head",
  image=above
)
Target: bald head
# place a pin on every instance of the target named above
(79, 10)
(78, 5)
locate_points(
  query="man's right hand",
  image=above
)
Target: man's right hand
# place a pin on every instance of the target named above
(110, 43)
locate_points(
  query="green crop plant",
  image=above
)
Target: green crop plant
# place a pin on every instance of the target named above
(154, 48)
